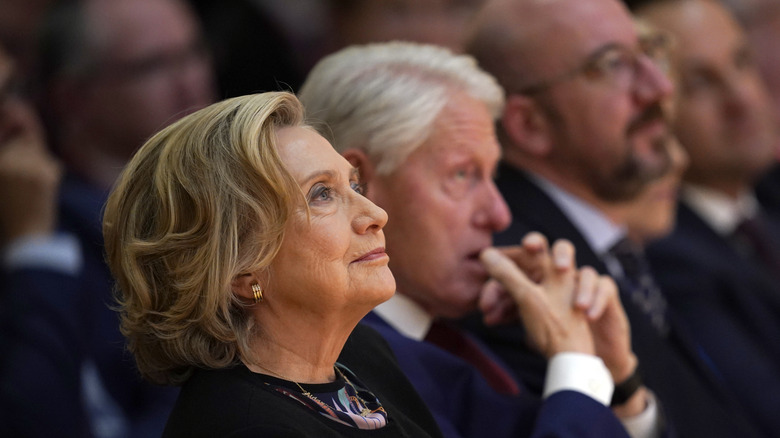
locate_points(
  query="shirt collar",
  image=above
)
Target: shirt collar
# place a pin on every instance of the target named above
(405, 316)
(598, 230)
(722, 212)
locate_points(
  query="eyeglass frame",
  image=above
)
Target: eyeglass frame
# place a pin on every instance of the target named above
(647, 45)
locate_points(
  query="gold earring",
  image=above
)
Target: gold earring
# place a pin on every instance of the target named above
(257, 292)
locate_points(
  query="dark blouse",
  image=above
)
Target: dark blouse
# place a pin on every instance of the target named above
(236, 402)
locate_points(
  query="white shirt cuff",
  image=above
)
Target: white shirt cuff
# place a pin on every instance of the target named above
(579, 372)
(648, 424)
(58, 252)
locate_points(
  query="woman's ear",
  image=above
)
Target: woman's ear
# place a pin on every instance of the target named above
(359, 159)
(242, 286)
(526, 126)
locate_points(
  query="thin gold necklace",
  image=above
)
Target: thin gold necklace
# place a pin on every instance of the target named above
(364, 406)
(303, 391)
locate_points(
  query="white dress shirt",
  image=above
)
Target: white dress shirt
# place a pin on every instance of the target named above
(566, 371)
(601, 233)
(720, 211)
(57, 252)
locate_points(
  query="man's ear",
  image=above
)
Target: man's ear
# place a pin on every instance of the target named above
(526, 125)
(359, 159)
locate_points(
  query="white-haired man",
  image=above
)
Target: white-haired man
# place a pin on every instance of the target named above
(418, 123)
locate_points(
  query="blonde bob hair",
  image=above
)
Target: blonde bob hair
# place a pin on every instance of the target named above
(202, 202)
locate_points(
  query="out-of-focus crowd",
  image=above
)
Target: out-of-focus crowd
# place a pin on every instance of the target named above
(646, 134)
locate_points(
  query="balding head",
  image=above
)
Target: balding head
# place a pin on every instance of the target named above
(583, 100)
(522, 42)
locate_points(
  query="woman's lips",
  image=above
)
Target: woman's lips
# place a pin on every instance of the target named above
(372, 255)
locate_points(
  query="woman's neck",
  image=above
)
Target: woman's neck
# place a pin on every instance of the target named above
(297, 352)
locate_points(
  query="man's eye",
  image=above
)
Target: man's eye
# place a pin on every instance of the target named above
(615, 61)
(698, 83)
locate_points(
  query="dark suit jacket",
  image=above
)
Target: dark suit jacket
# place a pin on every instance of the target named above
(768, 191)
(52, 323)
(42, 353)
(731, 307)
(692, 397)
(465, 405)
(234, 401)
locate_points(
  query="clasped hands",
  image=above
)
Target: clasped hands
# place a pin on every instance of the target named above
(563, 308)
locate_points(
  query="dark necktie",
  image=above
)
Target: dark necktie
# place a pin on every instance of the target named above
(462, 345)
(638, 282)
(753, 241)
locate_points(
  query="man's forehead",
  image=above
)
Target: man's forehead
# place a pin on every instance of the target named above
(702, 31)
(448, 149)
(581, 27)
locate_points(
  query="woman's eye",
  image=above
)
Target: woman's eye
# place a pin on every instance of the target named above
(322, 193)
(357, 187)
(461, 174)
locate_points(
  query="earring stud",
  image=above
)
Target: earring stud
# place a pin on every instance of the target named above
(257, 291)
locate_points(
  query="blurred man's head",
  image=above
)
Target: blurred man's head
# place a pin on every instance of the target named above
(118, 71)
(418, 122)
(761, 21)
(583, 95)
(18, 120)
(724, 115)
(29, 175)
(19, 25)
(439, 22)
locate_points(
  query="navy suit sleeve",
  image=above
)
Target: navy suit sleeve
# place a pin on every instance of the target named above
(465, 405)
(709, 306)
(41, 339)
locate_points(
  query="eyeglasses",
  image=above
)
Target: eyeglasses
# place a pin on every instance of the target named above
(616, 64)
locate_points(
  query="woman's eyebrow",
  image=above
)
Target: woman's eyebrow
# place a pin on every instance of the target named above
(317, 174)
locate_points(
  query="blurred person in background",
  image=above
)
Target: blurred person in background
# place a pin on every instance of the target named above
(20, 22)
(583, 133)
(111, 73)
(720, 268)
(254, 49)
(761, 21)
(267, 45)
(440, 22)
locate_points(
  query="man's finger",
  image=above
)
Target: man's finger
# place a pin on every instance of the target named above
(587, 283)
(606, 292)
(523, 291)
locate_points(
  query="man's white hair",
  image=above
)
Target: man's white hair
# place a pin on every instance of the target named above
(384, 98)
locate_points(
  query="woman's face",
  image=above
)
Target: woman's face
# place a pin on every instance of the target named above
(333, 261)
